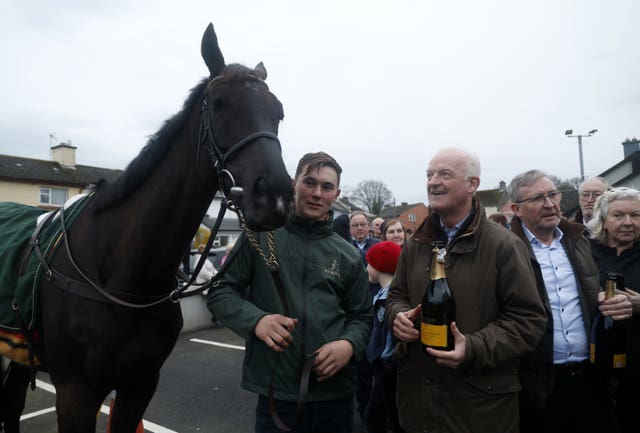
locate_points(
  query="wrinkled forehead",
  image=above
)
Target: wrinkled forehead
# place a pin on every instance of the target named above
(541, 185)
(593, 185)
(447, 161)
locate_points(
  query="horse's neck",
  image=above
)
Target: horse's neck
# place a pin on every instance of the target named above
(157, 224)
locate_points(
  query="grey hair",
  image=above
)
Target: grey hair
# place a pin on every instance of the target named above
(358, 212)
(473, 165)
(604, 181)
(601, 209)
(472, 162)
(524, 179)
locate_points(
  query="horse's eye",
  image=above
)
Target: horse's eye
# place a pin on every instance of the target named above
(216, 103)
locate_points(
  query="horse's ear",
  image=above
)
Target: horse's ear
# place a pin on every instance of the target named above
(260, 71)
(211, 52)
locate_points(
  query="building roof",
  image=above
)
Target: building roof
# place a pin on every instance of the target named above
(394, 211)
(624, 171)
(343, 205)
(51, 172)
(492, 197)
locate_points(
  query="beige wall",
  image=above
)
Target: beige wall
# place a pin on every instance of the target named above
(28, 193)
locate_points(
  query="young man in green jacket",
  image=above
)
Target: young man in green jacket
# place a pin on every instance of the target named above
(327, 291)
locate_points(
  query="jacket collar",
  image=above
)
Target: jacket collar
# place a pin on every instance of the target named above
(430, 230)
(315, 229)
(569, 229)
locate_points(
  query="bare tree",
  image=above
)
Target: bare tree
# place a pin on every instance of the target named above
(565, 184)
(373, 195)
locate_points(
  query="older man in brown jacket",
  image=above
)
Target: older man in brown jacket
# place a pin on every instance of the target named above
(473, 388)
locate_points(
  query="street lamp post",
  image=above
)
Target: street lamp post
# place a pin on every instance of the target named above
(569, 133)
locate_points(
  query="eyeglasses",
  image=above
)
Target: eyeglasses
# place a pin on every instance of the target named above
(539, 199)
(586, 195)
(356, 225)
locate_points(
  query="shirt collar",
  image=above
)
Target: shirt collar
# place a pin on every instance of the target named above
(453, 231)
(557, 235)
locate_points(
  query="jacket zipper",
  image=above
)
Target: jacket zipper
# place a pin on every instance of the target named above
(303, 296)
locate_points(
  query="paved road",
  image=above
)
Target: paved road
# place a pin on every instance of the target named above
(199, 391)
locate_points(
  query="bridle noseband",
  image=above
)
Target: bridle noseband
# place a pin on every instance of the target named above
(219, 161)
(207, 141)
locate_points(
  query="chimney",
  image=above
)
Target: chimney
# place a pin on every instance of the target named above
(630, 145)
(65, 155)
(503, 186)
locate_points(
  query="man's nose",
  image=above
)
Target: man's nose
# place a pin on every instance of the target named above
(317, 191)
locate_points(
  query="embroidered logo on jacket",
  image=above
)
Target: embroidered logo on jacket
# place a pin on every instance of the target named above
(334, 270)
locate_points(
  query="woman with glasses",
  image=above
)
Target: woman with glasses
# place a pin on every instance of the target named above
(615, 245)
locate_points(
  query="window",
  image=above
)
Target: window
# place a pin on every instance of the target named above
(53, 196)
(412, 217)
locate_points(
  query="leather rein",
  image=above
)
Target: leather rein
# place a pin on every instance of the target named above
(219, 160)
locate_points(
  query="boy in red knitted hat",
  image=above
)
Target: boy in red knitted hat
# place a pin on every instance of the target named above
(381, 413)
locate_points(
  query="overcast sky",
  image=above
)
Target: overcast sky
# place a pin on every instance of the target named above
(379, 85)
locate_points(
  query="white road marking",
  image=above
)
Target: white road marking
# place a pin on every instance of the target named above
(148, 425)
(38, 413)
(215, 343)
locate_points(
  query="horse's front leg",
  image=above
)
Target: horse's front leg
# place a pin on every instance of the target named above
(129, 406)
(76, 406)
(12, 397)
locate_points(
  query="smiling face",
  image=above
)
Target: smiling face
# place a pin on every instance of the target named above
(540, 218)
(395, 233)
(622, 223)
(316, 191)
(449, 188)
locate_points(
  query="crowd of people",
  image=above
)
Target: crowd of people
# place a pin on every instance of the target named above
(338, 321)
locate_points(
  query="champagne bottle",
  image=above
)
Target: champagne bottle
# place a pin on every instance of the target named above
(608, 348)
(438, 306)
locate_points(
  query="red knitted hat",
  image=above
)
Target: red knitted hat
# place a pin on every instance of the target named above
(383, 256)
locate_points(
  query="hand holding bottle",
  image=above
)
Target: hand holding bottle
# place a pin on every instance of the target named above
(619, 307)
(634, 298)
(451, 358)
(404, 325)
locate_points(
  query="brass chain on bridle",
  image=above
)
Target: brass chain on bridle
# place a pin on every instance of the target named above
(271, 260)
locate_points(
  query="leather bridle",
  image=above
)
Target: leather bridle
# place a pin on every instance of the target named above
(219, 160)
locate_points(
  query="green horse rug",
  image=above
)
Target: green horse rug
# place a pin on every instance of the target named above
(21, 271)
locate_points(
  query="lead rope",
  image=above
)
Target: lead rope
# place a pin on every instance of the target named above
(271, 261)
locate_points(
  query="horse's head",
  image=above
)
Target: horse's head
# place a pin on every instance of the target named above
(240, 119)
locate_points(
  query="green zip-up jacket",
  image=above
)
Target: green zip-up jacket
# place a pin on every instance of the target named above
(327, 290)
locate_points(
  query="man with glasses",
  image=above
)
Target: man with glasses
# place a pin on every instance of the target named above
(560, 392)
(359, 226)
(588, 193)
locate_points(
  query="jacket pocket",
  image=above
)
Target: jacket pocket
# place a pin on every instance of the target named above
(494, 384)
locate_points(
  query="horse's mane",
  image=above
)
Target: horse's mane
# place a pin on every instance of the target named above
(112, 194)
(139, 169)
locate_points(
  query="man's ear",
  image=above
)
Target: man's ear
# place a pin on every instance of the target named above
(515, 208)
(474, 183)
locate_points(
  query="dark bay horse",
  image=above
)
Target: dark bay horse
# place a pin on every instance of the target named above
(130, 239)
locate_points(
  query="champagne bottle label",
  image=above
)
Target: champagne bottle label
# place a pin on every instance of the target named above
(433, 335)
(619, 360)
